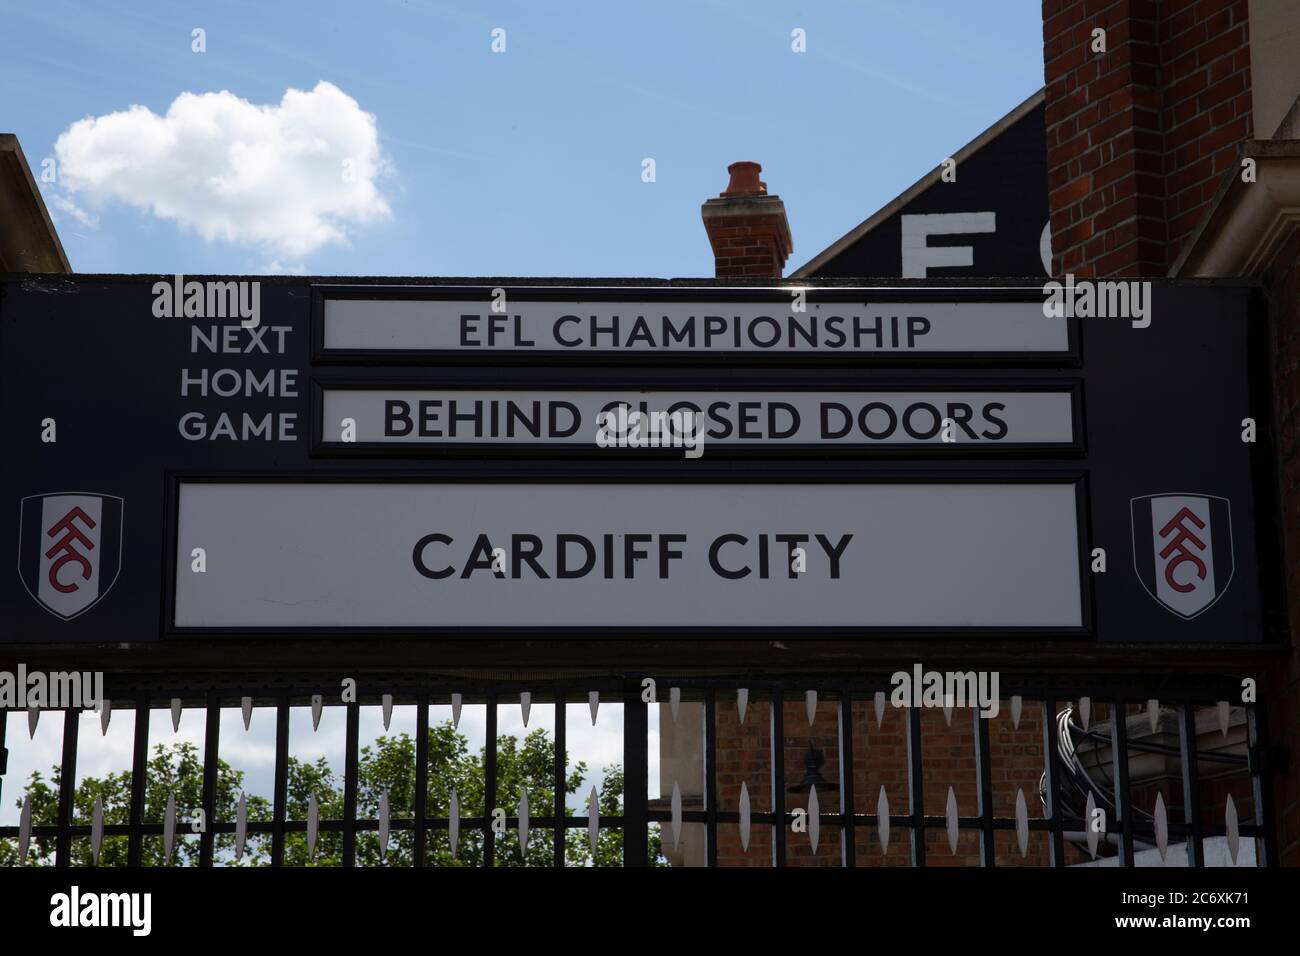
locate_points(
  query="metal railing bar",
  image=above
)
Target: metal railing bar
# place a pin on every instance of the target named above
(848, 846)
(915, 786)
(67, 787)
(776, 709)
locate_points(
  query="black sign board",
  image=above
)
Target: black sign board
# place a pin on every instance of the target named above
(204, 458)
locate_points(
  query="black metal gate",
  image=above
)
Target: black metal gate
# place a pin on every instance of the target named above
(1065, 782)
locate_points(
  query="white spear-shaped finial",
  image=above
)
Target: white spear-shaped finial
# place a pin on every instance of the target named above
(744, 816)
(96, 829)
(169, 827)
(523, 825)
(1233, 831)
(950, 821)
(24, 829)
(313, 824)
(814, 818)
(1162, 827)
(241, 826)
(1022, 823)
(882, 820)
(593, 819)
(453, 825)
(1089, 816)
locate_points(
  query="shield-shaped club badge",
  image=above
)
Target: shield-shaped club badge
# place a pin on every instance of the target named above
(1182, 549)
(69, 549)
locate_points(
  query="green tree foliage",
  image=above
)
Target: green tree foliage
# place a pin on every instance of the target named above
(386, 765)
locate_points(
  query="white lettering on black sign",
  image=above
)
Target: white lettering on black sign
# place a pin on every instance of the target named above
(209, 385)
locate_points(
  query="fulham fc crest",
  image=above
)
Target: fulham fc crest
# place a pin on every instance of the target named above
(1182, 549)
(69, 549)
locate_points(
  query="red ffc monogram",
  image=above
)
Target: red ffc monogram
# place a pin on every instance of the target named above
(65, 544)
(1177, 545)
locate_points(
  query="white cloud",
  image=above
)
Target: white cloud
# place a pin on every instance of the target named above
(288, 177)
(66, 205)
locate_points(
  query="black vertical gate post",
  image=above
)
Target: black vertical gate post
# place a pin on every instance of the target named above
(848, 838)
(1191, 786)
(350, 761)
(4, 753)
(559, 836)
(1052, 768)
(710, 777)
(636, 775)
(139, 780)
(489, 780)
(421, 802)
(984, 774)
(916, 785)
(211, 745)
(1261, 782)
(776, 709)
(67, 787)
(1123, 798)
(281, 793)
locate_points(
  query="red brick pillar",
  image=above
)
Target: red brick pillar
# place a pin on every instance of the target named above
(747, 228)
(1139, 135)
(1280, 690)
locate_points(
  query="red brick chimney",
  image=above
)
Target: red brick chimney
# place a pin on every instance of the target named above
(747, 228)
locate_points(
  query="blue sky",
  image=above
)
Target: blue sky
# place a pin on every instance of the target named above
(468, 162)
(526, 162)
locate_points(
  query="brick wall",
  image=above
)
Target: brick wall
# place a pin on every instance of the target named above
(880, 761)
(1139, 137)
(749, 247)
(1282, 689)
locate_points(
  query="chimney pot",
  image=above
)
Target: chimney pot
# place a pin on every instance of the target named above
(744, 180)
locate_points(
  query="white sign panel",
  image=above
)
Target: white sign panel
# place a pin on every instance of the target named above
(574, 417)
(623, 555)
(682, 327)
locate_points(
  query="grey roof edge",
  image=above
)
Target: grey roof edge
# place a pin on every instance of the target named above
(9, 144)
(922, 184)
(1225, 205)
